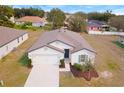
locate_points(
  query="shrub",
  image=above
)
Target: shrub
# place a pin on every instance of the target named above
(24, 26)
(78, 66)
(62, 64)
(47, 27)
(83, 67)
(87, 67)
(25, 61)
(118, 44)
(28, 24)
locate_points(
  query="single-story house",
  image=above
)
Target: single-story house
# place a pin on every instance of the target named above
(10, 39)
(121, 39)
(95, 25)
(35, 20)
(49, 49)
(61, 44)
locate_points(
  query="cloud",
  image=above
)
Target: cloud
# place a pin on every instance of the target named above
(119, 11)
(89, 7)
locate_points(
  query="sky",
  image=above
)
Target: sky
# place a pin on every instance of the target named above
(116, 9)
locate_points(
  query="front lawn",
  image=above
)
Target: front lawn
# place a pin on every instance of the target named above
(109, 58)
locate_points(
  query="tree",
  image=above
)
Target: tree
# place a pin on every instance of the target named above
(28, 12)
(56, 17)
(5, 13)
(100, 16)
(77, 22)
(118, 22)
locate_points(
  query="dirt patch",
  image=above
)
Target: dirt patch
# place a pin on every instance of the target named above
(106, 74)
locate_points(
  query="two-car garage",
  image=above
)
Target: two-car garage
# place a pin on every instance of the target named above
(45, 71)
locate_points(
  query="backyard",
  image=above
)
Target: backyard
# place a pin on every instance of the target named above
(109, 64)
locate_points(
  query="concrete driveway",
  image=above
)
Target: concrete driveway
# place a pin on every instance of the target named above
(43, 75)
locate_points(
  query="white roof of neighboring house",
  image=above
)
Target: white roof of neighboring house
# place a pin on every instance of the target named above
(8, 34)
(31, 19)
(68, 37)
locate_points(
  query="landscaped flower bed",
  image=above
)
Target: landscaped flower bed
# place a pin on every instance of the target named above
(87, 74)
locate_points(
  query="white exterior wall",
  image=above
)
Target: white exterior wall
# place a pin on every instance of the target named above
(44, 51)
(75, 56)
(13, 44)
(61, 45)
(105, 33)
(38, 24)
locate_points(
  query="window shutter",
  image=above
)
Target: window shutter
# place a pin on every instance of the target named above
(79, 57)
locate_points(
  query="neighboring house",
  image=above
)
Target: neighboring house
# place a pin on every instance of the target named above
(35, 20)
(61, 44)
(121, 39)
(10, 39)
(95, 25)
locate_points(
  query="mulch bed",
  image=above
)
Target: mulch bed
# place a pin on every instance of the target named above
(86, 74)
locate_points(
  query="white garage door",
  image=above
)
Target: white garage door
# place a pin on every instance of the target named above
(45, 59)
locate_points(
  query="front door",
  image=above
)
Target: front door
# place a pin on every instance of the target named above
(66, 55)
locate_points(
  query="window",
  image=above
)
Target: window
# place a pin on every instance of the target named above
(83, 58)
(22, 37)
(18, 40)
(7, 48)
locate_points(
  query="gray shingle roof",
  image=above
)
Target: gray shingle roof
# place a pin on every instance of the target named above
(8, 34)
(96, 23)
(69, 37)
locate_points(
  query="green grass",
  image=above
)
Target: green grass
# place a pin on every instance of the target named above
(118, 44)
(113, 66)
(33, 28)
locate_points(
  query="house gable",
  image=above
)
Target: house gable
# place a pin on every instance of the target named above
(75, 55)
(61, 45)
(44, 51)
